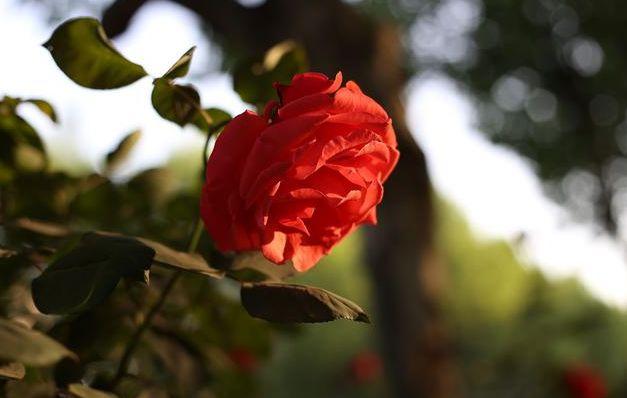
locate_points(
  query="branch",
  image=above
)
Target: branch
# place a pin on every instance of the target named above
(117, 17)
(226, 17)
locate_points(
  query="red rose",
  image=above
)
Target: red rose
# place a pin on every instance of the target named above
(298, 179)
(582, 381)
(243, 359)
(365, 367)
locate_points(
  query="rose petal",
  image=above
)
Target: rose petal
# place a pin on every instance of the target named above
(318, 153)
(306, 104)
(295, 224)
(306, 84)
(273, 147)
(273, 250)
(217, 206)
(351, 101)
(306, 257)
(233, 144)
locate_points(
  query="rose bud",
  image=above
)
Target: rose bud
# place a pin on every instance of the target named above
(582, 381)
(295, 181)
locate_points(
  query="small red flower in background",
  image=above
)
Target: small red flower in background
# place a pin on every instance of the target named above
(243, 359)
(365, 367)
(295, 181)
(582, 381)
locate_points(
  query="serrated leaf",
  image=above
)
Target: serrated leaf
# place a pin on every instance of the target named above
(87, 275)
(218, 118)
(117, 156)
(175, 102)
(12, 370)
(180, 67)
(82, 50)
(82, 391)
(254, 267)
(253, 78)
(288, 303)
(29, 347)
(44, 107)
(189, 262)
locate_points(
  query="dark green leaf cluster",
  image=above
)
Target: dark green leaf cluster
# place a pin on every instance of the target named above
(82, 50)
(548, 81)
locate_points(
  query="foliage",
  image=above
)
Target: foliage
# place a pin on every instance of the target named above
(254, 78)
(76, 241)
(82, 50)
(547, 77)
(513, 331)
(516, 331)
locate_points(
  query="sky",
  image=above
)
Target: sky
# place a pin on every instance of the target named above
(495, 188)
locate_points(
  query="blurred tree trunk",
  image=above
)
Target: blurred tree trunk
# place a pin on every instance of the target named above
(338, 37)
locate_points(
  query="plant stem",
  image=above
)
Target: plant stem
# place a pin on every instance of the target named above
(133, 343)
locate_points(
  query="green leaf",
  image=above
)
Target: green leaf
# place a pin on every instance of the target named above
(217, 116)
(157, 185)
(24, 133)
(29, 159)
(8, 105)
(20, 145)
(82, 50)
(170, 258)
(253, 78)
(175, 102)
(117, 156)
(278, 302)
(180, 67)
(87, 275)
(44, 107)
(254, 267)
(82, 391)
(189, 262)
(29, 347)
(12, 370)
(162, 255)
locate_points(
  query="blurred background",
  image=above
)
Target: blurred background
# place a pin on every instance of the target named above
(499, 267)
